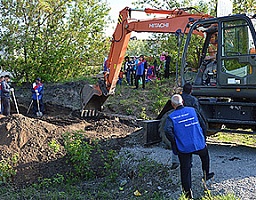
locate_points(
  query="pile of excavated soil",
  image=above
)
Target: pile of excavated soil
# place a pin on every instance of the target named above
(29, 138)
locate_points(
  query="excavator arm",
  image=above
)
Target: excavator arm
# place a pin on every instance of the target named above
(93, 97)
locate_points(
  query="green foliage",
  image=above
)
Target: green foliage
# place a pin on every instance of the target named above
(137, 48)
(89, 158)
(160, 43)
(146, 168)
(79, 152)
(52, 39)
(6, 168)
(209, 196)
(247, 7)
(159, 104)
(54, 146)
(240, 139)
(111, 165)
(57, 180)
(129, 111)
(143, 114)
(167, 42)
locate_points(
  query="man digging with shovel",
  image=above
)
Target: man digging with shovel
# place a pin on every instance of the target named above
(37, 97)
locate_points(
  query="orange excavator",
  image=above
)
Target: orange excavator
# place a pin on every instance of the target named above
(218, 59)
(93, 97)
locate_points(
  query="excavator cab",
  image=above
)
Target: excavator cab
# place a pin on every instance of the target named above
(226, 58)
(222, 71)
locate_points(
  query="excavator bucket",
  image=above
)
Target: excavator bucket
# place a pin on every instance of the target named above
(92, 99)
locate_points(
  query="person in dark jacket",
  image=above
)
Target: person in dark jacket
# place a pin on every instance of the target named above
(127, 69)
(190, 100)
(134, 64)
(1, 108)
(167, 66)
(5, 95)
(187, 132)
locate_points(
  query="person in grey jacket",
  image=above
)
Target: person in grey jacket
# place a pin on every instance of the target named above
(5, 95)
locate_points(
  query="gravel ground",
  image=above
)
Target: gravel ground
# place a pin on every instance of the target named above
(234, 168)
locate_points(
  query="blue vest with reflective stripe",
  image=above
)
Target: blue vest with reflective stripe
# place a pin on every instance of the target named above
(187, 130)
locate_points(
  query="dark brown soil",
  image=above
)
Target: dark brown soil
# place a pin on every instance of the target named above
(28, 136)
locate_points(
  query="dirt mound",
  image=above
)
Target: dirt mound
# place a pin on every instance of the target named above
(33, 139)
(30, 139)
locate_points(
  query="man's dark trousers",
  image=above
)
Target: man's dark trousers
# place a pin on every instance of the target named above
(186, 164)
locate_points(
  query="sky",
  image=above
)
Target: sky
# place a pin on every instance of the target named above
(116, 7)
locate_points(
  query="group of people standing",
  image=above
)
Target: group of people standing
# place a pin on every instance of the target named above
(137, 70)
(6, 90)
(134, 70)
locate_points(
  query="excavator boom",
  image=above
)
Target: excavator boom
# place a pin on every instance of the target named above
(93, 97)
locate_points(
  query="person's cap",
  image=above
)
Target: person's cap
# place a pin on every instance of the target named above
(7, 76)
(38, 79)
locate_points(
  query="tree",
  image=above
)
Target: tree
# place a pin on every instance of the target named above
(246, 7)
(54, 39)
(137, 48)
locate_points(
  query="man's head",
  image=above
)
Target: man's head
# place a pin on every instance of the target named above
(176, 100)
(187, 88)
(7, 78)
(38, 79)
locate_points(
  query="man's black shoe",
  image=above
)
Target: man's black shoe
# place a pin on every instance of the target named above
(209, 176)
(175, 166)
(189, 195)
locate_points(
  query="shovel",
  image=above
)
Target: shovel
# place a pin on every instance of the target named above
(15, 102)
(30, 106)
(39, 113)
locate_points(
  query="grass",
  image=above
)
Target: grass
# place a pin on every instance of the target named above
(238, 139)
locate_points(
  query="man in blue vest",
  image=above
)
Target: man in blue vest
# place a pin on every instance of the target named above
(190, 101)
(186, 130)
